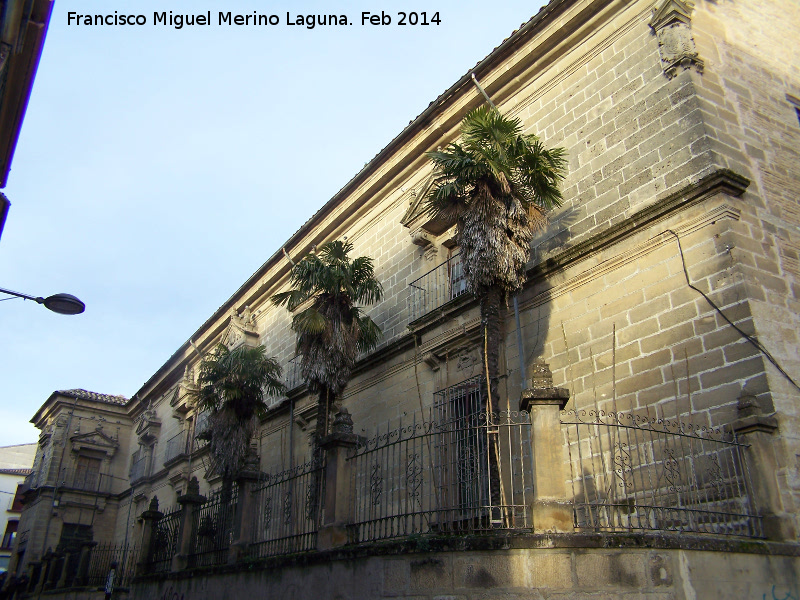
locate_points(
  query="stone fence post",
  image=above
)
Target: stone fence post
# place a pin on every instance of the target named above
(150, 519)
(760, 433)
(190, 503)
(337, 510)
(245, 507)
(551, 510)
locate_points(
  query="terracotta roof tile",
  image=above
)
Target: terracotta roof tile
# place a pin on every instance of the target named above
(87, 395)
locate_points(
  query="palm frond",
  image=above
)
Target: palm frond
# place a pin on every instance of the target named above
(496, 184)
(329, 334)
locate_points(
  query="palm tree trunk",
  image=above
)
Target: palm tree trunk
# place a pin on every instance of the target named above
(320, 432)
(490, 315)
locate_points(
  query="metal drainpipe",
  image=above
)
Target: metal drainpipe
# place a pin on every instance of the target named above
(520, 349)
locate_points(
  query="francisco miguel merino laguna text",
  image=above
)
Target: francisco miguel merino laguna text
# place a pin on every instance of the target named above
(226, 18)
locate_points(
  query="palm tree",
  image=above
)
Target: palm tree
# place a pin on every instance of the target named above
(331, 329)
(233, 387)
(496, 186)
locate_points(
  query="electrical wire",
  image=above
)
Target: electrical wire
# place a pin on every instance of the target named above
(744, 334)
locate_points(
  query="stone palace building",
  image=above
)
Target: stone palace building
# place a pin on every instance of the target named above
(650, 445)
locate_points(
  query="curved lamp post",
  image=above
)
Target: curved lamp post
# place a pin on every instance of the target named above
(63, 304)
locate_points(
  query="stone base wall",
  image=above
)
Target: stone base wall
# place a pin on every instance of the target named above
(535, 573)
(82, 594)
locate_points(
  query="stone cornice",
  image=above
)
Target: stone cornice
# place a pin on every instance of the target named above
(719, 181)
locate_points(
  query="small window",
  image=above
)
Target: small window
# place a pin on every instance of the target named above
(16, 506)
(10, 535)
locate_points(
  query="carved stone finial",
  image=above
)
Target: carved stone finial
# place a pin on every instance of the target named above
(672, 24)
(343, 422)
(541, 391)
(153, 504)
(251, 461)
(541, 376)
(194, 487)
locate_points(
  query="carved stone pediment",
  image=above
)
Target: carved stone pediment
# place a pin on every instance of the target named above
(184, 397)
(671, 22)
(241, 329)
(417, 218)
(94, 442)
(148, 427)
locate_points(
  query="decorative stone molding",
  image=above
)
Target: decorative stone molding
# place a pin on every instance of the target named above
(433, 361)
(241, 329)
(95, 443)
(431, 253)
(183, 400)
(468, 360)
(148, 427)
(421, 238)
(672, 24)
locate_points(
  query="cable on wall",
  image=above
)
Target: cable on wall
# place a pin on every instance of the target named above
(744, 334)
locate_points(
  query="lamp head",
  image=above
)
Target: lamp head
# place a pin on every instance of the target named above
(63, 304)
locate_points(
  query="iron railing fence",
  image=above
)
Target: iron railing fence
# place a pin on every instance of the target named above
(164, 544)
(436, 287)
(212, 528)
(288, 510)
(124, 556)
(176, 446)
(434, 474)
(637, 472)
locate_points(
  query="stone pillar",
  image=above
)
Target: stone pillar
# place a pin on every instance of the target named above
(53, 572)
(34, 574)
(760, 433)
(551, 511)
(190, 503)
(150, 519)
(43, 572)
(337, 510)
(245, 507)
(83, 564)
(61, 582)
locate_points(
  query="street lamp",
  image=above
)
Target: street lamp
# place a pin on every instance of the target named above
(63, 304)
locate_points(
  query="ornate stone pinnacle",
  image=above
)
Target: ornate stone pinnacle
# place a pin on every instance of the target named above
(541, 376)
(342, 422)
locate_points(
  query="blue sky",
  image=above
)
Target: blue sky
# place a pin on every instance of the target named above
(157, 168)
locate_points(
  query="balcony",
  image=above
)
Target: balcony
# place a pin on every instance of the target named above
(140, 468)
(437, 287)
(86, 481)
(293, 377)
(177, 448)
